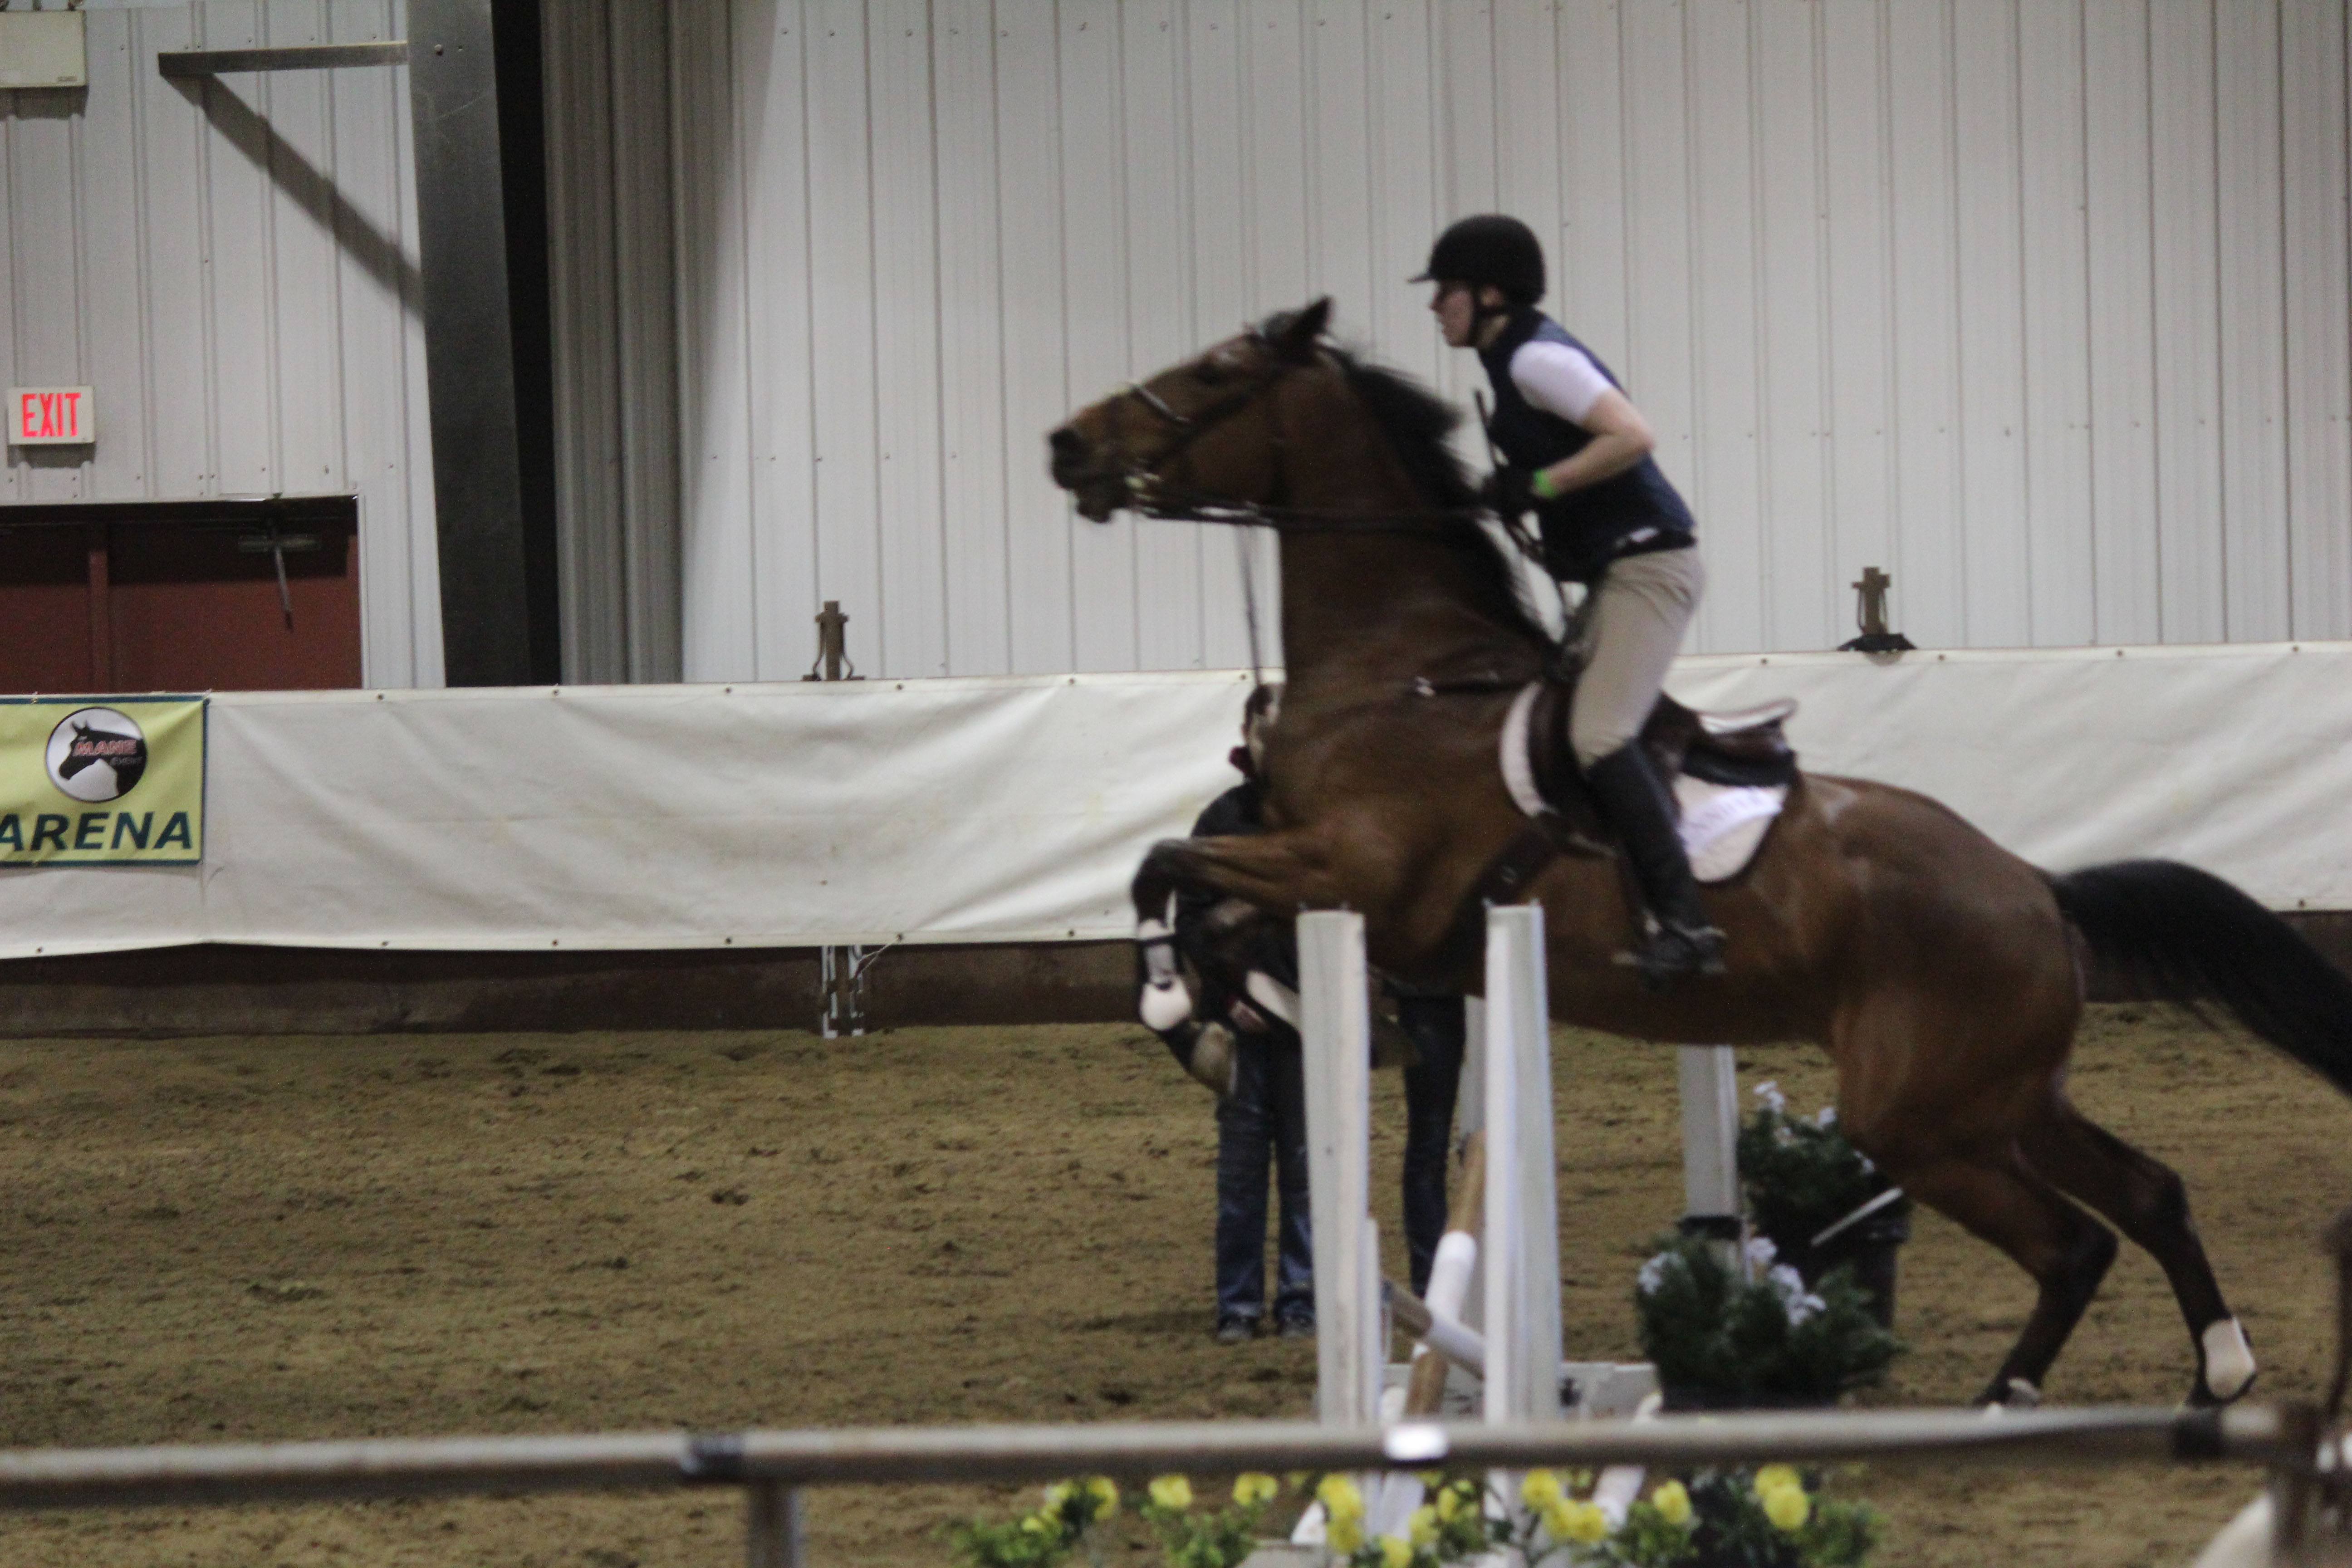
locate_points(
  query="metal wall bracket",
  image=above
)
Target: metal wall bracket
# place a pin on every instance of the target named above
(191, 63)
(843, 984)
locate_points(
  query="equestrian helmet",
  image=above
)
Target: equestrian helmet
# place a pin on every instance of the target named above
(1490, 248)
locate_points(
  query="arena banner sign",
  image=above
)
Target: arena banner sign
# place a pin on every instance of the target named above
(101, 781)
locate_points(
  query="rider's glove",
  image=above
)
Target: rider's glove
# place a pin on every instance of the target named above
(1508, 492)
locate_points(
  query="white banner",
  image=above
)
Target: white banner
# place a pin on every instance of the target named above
(2236, 758)
(1016, 809)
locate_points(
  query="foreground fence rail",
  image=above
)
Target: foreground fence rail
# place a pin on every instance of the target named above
(773, 1465)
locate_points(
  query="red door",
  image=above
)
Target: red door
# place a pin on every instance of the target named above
(180, 597)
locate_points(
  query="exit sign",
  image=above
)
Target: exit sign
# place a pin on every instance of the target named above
(51, 417)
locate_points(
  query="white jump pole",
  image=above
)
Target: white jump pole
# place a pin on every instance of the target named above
(1710, 1092)
(1335, 1029)
(1522, 1246)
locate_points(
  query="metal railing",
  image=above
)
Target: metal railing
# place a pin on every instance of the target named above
(775, 1467)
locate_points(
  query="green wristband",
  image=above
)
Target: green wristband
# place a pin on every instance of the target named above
(1541, 485)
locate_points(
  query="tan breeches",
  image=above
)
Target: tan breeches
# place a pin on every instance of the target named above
(1641, 607)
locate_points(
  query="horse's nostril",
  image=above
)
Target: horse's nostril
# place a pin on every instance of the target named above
(1068, 443)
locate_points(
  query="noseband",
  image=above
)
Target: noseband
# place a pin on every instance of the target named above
(1146, 482)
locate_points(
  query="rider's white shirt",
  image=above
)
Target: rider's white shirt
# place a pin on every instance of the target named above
(1558, 379)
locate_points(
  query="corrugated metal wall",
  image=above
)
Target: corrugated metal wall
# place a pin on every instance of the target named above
(611, 280)
(2039, 304)
(231, 268)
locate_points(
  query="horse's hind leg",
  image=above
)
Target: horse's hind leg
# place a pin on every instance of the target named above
(2147, 1202)
(1996, 1197)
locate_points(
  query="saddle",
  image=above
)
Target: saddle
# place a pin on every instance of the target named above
(1739, 766)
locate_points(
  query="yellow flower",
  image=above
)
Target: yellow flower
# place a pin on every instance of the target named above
(1673, 1504)
(1450, 1504)
(1056, 1495)
(1255, 1488)
(1105, 1495)
(1539, 1490)
(1771, 1478)
(1788, 1508)
(1587, 1523)
(1341, 1499)
(1423, 1526)
(1038, 1524)
(1395, 1552)
(1556, 1517)
(1172, 1492)
(1343, 1535)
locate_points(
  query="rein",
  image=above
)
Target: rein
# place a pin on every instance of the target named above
(1148, 495)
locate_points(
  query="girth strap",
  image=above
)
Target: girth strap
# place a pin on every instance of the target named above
(1510, 875)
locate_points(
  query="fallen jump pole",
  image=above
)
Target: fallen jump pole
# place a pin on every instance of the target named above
(2280, 1435)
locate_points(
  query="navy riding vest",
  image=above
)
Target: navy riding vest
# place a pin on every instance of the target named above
(1629, 513)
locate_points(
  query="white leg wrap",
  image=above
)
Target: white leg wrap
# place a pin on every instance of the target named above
(1159, 948)
(1165, 1004)
(2229, 1359)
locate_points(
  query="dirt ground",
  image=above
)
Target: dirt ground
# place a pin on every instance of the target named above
(404, 1235)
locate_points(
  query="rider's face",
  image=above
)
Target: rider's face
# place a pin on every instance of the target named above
(1456, 314)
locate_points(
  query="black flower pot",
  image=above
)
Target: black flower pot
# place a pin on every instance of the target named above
(1868, 1247)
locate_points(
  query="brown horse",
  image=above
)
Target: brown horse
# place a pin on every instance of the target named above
(1944, 975)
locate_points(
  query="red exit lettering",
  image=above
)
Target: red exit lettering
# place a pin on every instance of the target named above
(49, 414)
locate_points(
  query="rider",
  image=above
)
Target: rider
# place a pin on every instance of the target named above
(1576, 452)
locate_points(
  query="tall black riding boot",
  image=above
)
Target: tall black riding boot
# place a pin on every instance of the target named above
(1679, 941)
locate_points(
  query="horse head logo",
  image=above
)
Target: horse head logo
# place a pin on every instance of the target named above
(86, 739)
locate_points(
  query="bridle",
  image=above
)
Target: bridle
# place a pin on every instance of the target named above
(1150, 494)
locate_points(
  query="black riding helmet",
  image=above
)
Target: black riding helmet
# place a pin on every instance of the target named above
(1490, 248)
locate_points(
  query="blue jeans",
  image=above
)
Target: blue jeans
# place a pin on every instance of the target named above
(1264, 1123)
(1436, 1026)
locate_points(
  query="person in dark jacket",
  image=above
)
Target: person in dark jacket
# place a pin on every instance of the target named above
(1579, 454)
(1253, 1057)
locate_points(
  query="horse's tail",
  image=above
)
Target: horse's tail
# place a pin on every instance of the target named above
(2185, 935)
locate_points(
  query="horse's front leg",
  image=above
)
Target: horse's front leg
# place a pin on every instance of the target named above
(1277, 872)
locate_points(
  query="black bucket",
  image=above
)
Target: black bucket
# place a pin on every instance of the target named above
(1868, 1247)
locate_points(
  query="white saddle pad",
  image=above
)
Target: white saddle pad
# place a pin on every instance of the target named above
(1722, 824)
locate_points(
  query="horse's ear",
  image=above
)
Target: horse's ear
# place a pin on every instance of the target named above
(1296, 338)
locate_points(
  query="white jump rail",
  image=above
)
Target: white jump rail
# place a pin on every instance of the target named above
(1521, 1246)
(774, 1466)
(1335, 1035)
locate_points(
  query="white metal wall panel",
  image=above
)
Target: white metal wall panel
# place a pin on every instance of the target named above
(2039, 304)
(977, 626)
(1859, 326)
(2252, 270)
(1727, 482)
(1040, 597)
(2056, 388)
(2314, 89)
(1989, 299)
(2186, 322)
(2119, 222)
(1923, 447)
(230, 266)
(1797, 586)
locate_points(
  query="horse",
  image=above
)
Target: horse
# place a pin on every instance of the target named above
(1944, 976)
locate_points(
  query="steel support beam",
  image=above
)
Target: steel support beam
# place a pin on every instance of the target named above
(453, 90)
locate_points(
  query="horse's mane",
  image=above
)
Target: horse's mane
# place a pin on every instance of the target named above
(1417, 423)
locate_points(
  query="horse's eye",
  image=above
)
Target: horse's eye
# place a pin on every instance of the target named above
(1213, 373)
